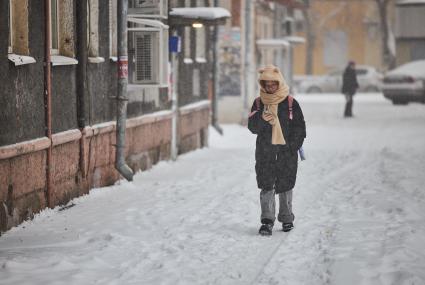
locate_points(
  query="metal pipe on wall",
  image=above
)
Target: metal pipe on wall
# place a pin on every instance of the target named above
(48, 101)
(174, 99)
(122, 97)
(215, 79)
(82, 56)
(247, 58)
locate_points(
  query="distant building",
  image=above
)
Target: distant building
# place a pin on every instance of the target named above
(410, 31)
(245, 44)
(340, 31)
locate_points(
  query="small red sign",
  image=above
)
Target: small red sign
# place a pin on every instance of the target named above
(123, 67)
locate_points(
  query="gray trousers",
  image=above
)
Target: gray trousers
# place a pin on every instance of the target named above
(268, 206)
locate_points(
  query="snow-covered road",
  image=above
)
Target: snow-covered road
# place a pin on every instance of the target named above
(359, 205)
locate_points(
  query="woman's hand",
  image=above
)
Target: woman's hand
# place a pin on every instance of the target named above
(268, 118)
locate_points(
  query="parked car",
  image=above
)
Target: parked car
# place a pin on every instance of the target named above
(405, 83)
(368, 77)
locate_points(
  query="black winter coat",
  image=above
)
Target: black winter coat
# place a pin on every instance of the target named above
(276, 165)
(349, 81)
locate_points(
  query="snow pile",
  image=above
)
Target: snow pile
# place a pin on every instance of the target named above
(358, 203)
(414, 68)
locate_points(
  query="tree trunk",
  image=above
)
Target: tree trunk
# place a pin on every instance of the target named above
(310, 43)
(388, 57)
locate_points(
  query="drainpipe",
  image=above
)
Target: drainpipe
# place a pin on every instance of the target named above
(122, 97)
(215, 79)
(81, 77)
(247, 58)
(48, 101)
(174, 97)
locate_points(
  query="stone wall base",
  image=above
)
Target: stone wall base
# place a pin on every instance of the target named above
(148, 141)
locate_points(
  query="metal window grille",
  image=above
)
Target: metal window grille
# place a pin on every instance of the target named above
(144, 57)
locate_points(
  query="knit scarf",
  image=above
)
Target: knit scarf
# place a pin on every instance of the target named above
(271, 101)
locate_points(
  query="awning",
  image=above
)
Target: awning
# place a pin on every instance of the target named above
(410, 2)
(284, 42)
(273, 43)
(205, 15)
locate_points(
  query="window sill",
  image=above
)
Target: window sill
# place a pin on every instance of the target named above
(187, 60)
(135, 87)
(20, 59)
(96, 59)
(62, 60)
(201, 60)
(113, 58)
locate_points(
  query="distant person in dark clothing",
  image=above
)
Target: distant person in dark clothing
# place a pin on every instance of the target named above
(349, 87)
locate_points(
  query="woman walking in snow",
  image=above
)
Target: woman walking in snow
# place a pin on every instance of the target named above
(277, 120)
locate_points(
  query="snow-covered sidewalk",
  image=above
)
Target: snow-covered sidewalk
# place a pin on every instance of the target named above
(359, 205)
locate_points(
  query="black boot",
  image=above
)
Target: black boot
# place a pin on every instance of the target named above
(266, 229)
(286, 227)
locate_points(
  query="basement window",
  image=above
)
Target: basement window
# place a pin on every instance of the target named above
(18, 51)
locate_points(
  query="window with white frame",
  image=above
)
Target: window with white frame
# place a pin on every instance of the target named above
(18, 27)
(113, 28)
(93, 28)
(187, 31)
(200, 44)
(147, 52)
(10, 22)
(148, 8)
(54, 39)
(62, 38)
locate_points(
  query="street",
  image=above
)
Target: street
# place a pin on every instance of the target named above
(358, 203)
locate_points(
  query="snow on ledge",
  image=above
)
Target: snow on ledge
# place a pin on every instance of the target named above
(204, 13)
(410, 2)
(196, 106)
(270, 42)
(96, 59)
(20, 59)
(201, 60)
(62, 60)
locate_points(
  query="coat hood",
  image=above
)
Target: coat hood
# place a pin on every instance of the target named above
(272, 73)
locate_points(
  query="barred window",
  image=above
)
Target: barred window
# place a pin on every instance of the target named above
(146, 50)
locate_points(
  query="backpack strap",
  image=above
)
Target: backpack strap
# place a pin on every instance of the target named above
(257, 106)
(257, 103)
(290, 101)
